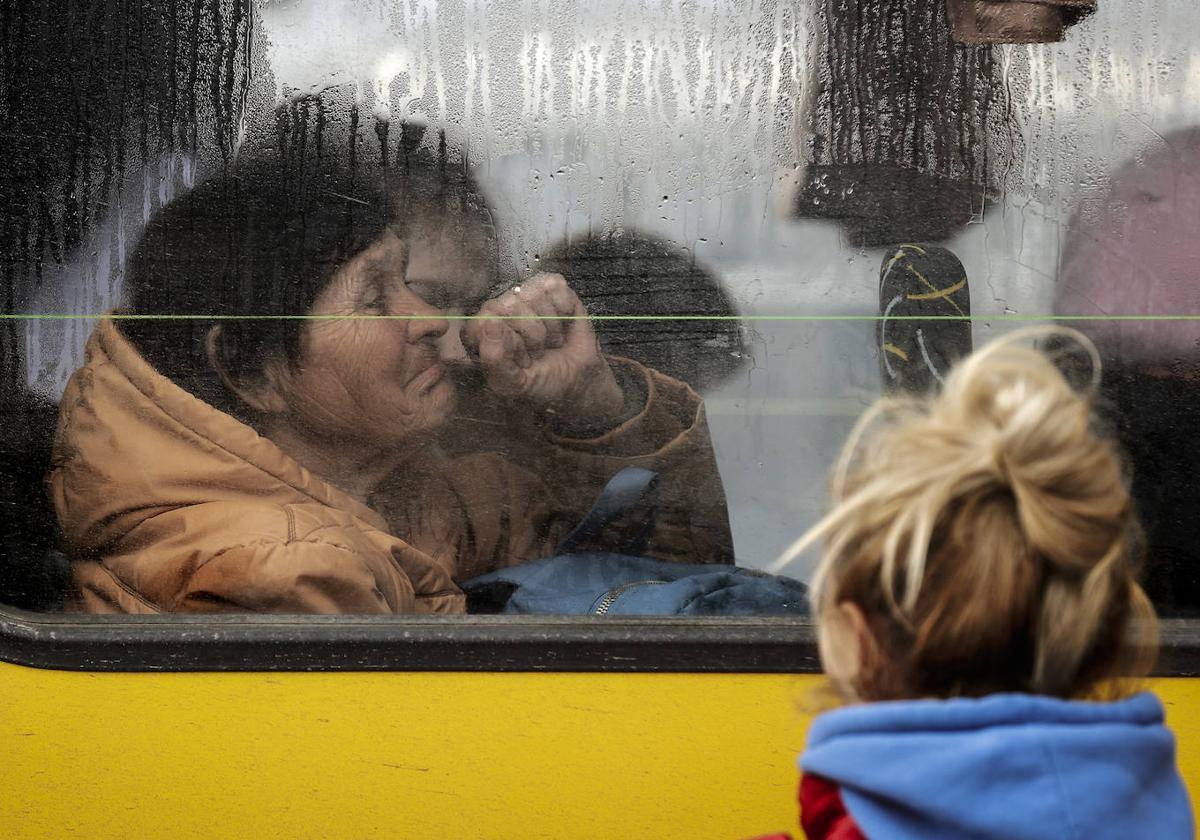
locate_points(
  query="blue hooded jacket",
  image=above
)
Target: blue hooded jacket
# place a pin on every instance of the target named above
(1005, 766)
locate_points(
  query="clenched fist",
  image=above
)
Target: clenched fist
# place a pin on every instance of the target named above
(538, 346)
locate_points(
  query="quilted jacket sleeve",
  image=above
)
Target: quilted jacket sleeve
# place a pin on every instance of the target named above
(517, 500)
(298, 577)
(670, 436)
(265, 576)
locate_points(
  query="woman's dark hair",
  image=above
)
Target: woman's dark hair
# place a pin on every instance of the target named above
(252, 248)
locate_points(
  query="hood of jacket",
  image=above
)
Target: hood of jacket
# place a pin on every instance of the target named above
(131, 445)
(1004, 766)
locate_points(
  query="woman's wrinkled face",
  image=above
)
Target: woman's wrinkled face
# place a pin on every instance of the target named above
(448, 267)
(369, 369)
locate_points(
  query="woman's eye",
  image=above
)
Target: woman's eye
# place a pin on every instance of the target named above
(373, 301)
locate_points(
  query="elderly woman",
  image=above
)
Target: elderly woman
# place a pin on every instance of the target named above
(271, 446)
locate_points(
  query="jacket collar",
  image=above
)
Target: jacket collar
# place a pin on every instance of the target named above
(129, 432)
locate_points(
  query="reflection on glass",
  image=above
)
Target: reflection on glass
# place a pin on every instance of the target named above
(1133, 252)
(717, 183)
(217, 452)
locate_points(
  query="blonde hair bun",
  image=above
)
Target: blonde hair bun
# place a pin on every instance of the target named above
(989, 529)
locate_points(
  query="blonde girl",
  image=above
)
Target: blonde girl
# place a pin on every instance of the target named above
(980, 619)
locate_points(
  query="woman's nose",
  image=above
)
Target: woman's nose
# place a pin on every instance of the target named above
(449, 344)
(428, 322)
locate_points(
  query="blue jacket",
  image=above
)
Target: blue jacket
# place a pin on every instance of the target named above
(1005, 766)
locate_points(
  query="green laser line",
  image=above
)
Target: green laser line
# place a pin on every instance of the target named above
(65, 316)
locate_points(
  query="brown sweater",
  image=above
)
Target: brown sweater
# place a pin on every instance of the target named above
(169, 505)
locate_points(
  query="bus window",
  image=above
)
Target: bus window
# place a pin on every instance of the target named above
(343, 308)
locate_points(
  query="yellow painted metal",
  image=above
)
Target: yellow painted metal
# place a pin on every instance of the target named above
(415, 755)
(1182, 699)
(408, 755)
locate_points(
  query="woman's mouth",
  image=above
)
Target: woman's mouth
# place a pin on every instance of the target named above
(429, 377)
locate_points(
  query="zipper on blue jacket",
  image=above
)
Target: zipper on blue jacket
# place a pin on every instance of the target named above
(605, 602)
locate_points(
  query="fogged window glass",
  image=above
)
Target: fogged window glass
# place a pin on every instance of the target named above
(429, 307)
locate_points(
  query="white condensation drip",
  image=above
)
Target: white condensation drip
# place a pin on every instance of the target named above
(580, 115)
(389, 50)
(477, 91)
(536, 60)
(1121, 80)
(89, 281)
(663, 99)
(419, 18)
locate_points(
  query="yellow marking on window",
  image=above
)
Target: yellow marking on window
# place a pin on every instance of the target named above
(895, 351)
(936, 292)
(946, 292)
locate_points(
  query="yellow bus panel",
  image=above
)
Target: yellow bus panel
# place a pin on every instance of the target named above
(417, 755)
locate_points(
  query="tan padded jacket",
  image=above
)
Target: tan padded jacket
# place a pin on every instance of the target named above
(169, 505)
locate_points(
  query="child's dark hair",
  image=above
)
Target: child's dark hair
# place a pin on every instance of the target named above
(625, 272)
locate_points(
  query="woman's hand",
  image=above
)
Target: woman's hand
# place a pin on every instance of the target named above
(540, 347)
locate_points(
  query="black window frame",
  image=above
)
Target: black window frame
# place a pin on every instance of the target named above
(260, 642)
(501, 644)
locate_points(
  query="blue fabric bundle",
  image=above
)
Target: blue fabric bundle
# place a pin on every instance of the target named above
(575, 582)
(615, 584)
